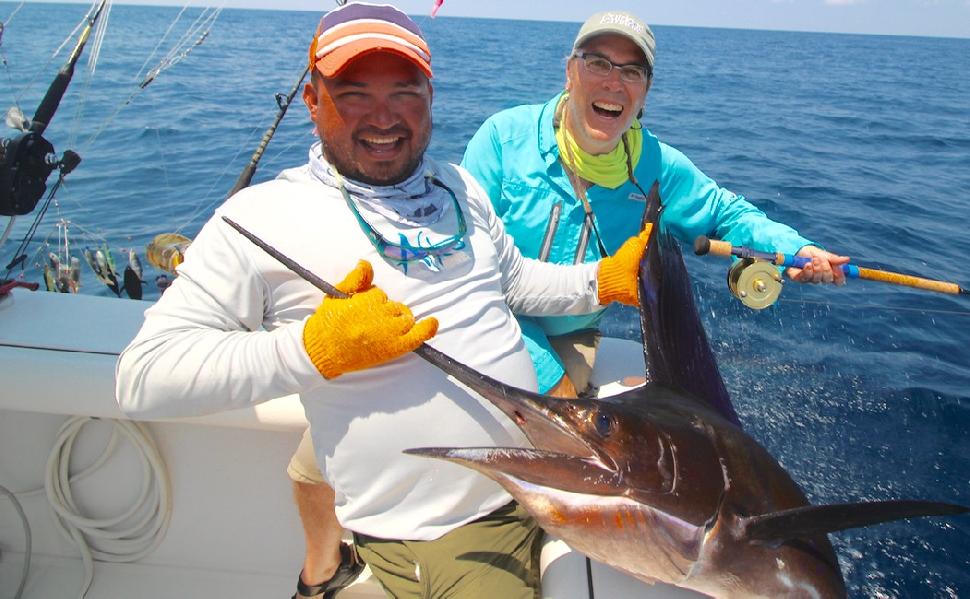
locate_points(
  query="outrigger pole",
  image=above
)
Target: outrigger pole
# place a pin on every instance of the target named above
(704, 246)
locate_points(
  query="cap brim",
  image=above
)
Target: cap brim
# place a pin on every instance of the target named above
(333, 63)
(606, 30)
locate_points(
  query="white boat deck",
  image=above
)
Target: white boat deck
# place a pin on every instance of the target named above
(234, 530)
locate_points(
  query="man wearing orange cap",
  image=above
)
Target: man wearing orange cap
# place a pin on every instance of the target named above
(237, 328)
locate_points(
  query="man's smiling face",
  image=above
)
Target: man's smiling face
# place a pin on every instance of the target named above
(374, 118)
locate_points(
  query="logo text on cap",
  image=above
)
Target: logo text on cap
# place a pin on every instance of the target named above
(622, 20)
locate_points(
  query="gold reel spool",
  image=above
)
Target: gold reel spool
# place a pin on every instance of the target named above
(166, 251)
(756, 283)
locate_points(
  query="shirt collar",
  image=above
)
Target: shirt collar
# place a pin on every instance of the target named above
(548, 148)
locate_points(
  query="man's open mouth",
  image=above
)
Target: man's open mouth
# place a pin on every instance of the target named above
(607, 109)
(381, 143)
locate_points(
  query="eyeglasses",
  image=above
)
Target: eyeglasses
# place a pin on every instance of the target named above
(406, 251)
(601, 66)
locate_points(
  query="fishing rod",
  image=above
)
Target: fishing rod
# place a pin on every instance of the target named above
(167, 250)
(283, 102)
(48, 106)
(757, 283)
(28, 159)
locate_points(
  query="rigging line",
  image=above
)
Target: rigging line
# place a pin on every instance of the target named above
(209, 22)
(182, 48)
(161, 41)
(89, 234)
(161, 151)
(138, 78)
(286, 149)
(3, 57)
(50, 59)
(163, 65)
(216, 180)
(29, 236)
(3, 24)
(877, 306)
(75, 127)
(3, 27)
(7, 230)
(200, 21)
(66, 186)
(10, 81)
(77, 27)
(94, 53)
(44, 248)
(283, 103)
(189, 31)
(62, 243)
(57, 88)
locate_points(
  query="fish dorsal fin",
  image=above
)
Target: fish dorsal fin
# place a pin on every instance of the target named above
(676, 350)
(652, 356)
(813, 520)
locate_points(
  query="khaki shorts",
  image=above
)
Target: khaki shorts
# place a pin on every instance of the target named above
(303, 466)
(494, 557)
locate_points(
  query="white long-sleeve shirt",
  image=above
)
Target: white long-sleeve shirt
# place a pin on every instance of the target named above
(228, 334)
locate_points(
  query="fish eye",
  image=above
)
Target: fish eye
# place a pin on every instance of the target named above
(604, 424)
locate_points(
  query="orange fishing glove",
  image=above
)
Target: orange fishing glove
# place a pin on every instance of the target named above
(617, 278)
(363, 330)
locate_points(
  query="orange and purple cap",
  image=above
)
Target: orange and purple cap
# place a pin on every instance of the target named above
(358, 28)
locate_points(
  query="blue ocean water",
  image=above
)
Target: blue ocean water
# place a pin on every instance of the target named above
(860, 142)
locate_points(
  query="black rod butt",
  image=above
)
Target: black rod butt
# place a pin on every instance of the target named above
(702, 245)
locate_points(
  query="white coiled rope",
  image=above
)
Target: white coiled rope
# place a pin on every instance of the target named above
(123, 538)
(27, 538)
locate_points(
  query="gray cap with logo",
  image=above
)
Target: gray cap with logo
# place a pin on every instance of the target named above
(620, 23)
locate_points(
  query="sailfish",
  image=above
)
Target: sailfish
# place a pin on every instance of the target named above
(661, 482)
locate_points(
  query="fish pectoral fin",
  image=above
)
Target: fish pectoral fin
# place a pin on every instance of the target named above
(813, 520)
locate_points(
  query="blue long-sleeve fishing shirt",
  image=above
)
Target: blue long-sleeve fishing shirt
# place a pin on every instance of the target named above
(515, 157)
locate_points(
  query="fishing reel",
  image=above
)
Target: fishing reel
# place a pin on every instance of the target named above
(757, 283)
(25, 164)
(26, 161)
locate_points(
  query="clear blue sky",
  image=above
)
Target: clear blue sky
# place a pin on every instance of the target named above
(950, 18)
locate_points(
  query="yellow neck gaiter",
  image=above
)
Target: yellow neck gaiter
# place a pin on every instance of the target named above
(606, 170)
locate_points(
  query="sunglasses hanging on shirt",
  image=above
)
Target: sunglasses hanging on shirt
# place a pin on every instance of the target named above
(421, 248)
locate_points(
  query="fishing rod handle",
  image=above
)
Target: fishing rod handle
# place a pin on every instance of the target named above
(909, 281)
(870, 274)
(851, 270)
(703, 246)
